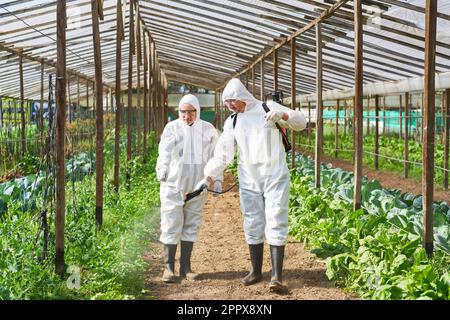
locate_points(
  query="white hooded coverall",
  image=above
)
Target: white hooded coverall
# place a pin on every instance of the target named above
(262, 168)
(184, 151)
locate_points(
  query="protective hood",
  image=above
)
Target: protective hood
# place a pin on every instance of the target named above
(193, 101)
(235, 89)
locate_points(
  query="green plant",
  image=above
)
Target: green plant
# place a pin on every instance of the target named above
(375, 251)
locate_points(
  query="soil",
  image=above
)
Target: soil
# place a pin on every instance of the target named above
(221, 258)
(12, 174)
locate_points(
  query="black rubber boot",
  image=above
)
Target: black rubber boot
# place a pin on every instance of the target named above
(169, 261)
(277, 257)
(185, 261)
(256, 257)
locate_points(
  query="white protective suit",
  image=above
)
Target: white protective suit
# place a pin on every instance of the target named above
(262, 168)
(183, 152)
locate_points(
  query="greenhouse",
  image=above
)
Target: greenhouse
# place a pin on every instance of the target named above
(320, 129)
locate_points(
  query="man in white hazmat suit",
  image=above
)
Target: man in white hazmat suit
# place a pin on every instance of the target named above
(262, 171)
(185, 147)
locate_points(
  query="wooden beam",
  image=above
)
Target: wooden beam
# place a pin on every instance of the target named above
(253, 81)
(149, 83)
(69, 101)
(78, 99)
(118, 93)
(275, 70)
(262, 79)
(400, 118)
(309, 123)
(377, 131)
(428, 129)
(446, 135)
(367, 116)
(22, 108)
(144, 149)
(319, 118)
(130, 87)
(293, 95)
(165, 100)
(138, 49)
(406, 164)
(154, 92)
(358, 119)
(336, 130)
(384, 115)
(99, 161)
(41, 110)
(61, 25)
(246, 80)
(94, 102)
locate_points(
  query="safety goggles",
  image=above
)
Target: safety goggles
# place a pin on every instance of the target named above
(188, 111)
(230, 102)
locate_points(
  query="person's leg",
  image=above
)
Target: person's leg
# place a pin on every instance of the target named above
(169, 263)
(193, 218)
(171, 226)
(252, 207)
(277, 205)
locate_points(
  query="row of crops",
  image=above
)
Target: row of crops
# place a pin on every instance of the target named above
(375, 251)
(101, 263)
(391, 153)
(80, 137)
(27, 190)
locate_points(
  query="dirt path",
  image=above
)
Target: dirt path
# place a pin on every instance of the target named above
(221, 258)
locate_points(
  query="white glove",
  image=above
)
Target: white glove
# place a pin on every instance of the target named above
(161, 174)
(274, 115)
(217, 187)
(270, 124)
(202, 183)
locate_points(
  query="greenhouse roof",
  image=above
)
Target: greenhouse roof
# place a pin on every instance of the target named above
(206, 42)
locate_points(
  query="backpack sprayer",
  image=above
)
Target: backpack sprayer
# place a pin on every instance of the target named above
(277, 96)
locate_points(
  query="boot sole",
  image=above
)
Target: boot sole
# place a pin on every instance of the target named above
(277, 287)
(190, 276)
(169, 278)
(250, 282)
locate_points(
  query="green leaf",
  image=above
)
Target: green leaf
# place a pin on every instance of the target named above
(400, 263)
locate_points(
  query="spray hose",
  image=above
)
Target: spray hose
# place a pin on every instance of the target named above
(195, 193)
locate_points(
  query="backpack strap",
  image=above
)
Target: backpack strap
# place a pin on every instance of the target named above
(234, 118)
(286, 143)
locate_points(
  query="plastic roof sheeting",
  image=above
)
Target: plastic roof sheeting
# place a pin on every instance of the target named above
(204, 42)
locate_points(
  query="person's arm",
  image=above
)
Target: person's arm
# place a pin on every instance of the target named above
(291, 119)
(165, 148)
(223, 153)
(213, 144)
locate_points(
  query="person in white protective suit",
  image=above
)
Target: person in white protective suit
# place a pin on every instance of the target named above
(185, 147)
(262, 171)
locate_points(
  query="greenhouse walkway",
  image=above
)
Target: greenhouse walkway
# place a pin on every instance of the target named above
(221, 258)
